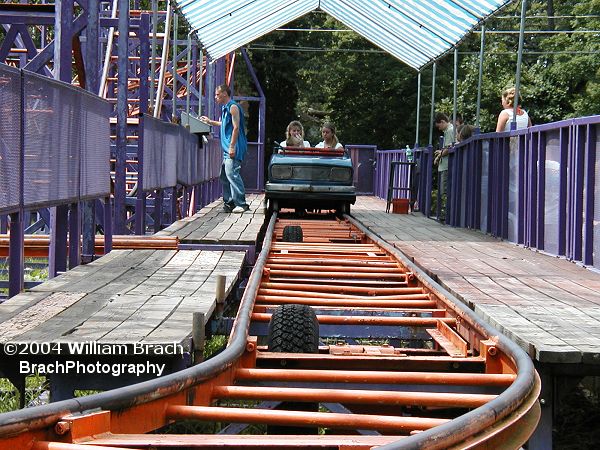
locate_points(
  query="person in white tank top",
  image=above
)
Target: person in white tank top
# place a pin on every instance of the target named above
(506, 115)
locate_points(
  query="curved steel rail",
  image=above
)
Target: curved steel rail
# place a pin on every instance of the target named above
(505, 421)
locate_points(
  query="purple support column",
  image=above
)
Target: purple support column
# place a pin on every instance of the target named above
(428, 179)
(157, 213)
(144, 39)
(262, 110)
(121, 150)
(184, 201)
(92, 72)
(63, 46)
(57, 253)
(108, 222)
(3, 224)
(74, 233)
(15, 255)
(505, 158)
(173, 205)
(478, 150)
(523, 172)
(63, 50)
(577, 193)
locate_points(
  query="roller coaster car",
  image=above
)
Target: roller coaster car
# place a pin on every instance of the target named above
(310, 178)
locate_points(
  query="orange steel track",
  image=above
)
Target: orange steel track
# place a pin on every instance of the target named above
(453, 383)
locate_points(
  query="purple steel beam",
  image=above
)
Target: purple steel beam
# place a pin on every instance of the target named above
(173, 205)
(15, 255)
(121, 132)
(522, 169)
(590, 156)
(57, 253)
(92, 69)
(108, 225)
(144, 45)
(62, 71)
(74, 233)
(157, 213)
(577, 197)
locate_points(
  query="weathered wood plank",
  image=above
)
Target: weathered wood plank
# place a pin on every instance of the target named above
(37, 314)
(548, 305)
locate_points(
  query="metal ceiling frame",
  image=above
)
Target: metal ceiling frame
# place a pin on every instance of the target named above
(416, 32)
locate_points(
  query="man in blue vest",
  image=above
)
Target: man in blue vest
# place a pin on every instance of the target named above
(234, 145)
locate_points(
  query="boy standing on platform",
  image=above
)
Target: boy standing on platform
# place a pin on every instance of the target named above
(234, 145)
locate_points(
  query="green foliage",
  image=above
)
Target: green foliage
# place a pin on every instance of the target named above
(36, 393)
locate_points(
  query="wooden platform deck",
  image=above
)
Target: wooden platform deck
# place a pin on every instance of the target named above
(125, 297)
(549, 306)
(211, 225)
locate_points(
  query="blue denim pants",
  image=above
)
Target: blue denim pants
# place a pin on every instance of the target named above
(233, 185)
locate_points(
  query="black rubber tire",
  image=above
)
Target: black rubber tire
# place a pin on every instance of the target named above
(344, 208)
(294, 329)
(293, 233)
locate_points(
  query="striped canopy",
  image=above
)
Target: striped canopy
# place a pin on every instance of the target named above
(414, 31)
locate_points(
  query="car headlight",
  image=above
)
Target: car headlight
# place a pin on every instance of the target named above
(281, 172)
(340, 174)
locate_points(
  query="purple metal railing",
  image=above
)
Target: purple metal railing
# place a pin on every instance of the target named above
(536, 187)
(56, 140)
(422, 176)
(10, 139)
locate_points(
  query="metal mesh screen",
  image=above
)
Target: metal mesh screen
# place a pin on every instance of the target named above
(485, 165)
(160, 154)
(513, 189)
(551, 191)
(596, 251)
(10, 132)
(188, 171)
(53, 141)
(95, 155)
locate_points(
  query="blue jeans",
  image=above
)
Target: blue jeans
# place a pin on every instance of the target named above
(233, 185)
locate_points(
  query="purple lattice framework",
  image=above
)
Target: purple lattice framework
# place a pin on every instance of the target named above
(10, 139)
(537, 187)
(66, 143)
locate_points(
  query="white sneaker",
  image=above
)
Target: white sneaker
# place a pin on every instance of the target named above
(239, 209)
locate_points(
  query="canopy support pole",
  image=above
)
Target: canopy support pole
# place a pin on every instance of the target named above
(480, 80)
(513, 125)
(418, 109)
(454, 94)
(432, 104)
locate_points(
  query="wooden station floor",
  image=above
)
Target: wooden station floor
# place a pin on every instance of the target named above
(139, 296)
(548, 305)
(125, 297)
(212, 225)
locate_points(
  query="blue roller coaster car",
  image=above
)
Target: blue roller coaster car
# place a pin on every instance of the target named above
(310, 178)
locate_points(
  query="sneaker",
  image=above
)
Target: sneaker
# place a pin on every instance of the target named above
(228, 208)
(240, 209)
